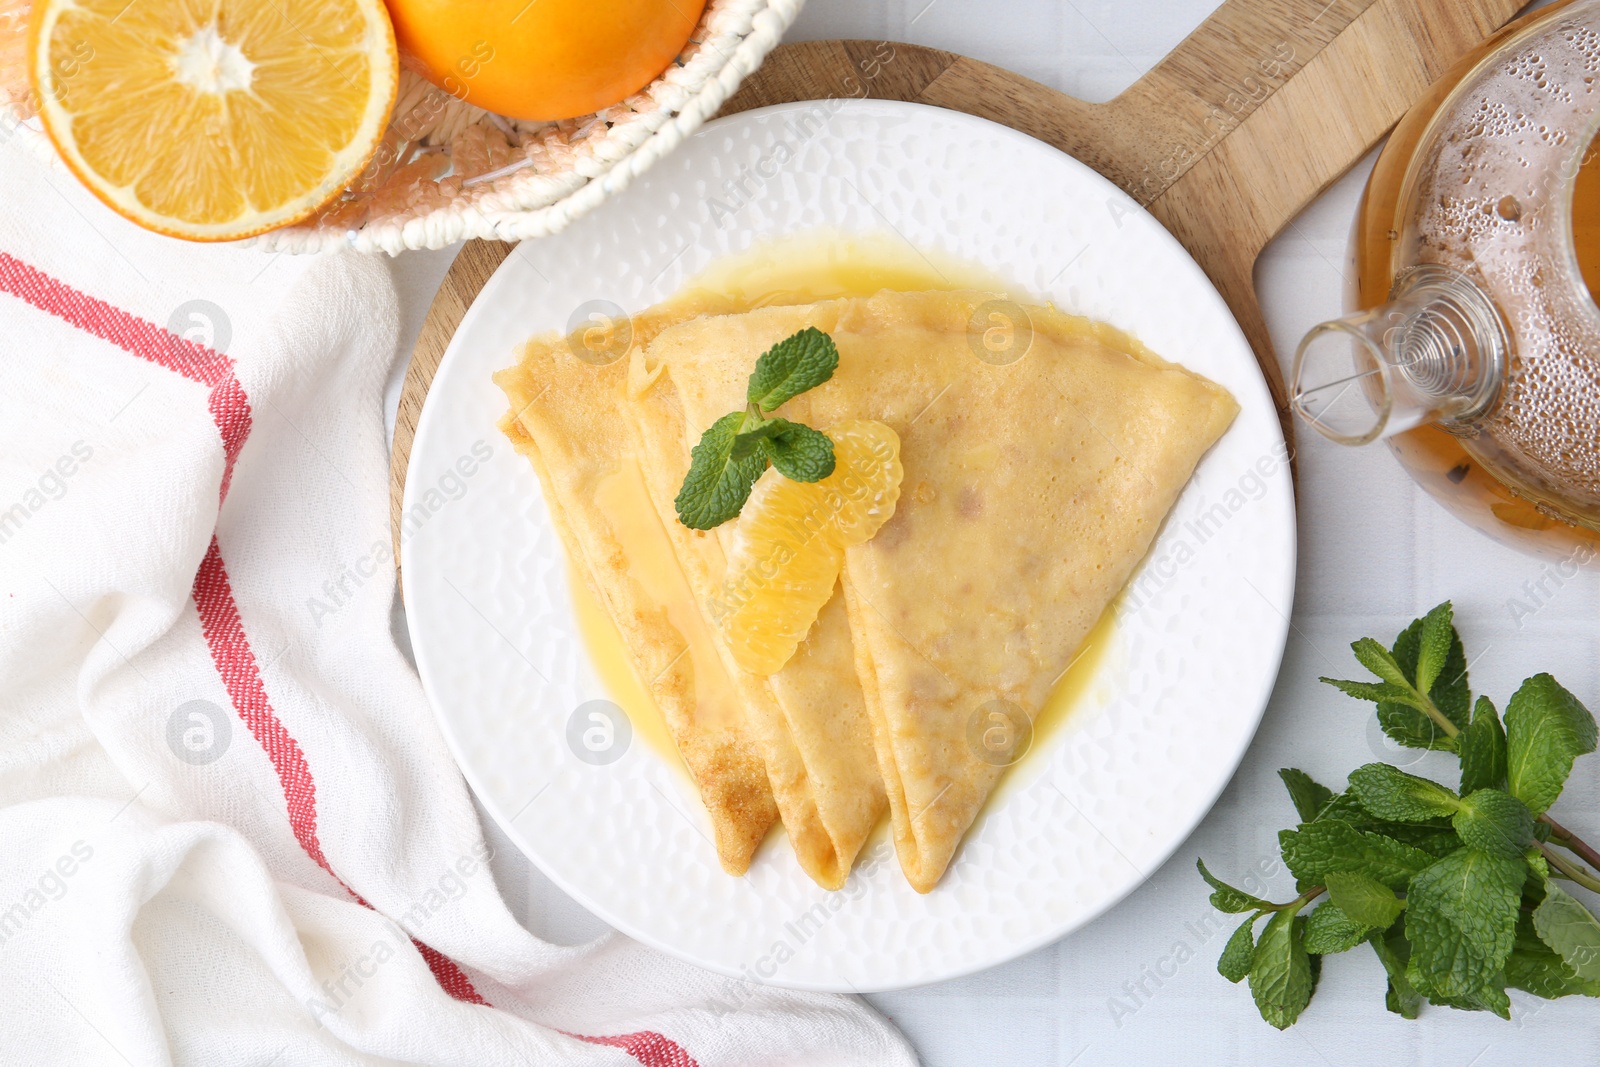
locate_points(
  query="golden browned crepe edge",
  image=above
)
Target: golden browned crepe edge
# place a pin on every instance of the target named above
(725, 765)
(825, 846)
(962, 801)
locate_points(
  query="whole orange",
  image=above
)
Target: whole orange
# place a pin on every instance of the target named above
(543, 59)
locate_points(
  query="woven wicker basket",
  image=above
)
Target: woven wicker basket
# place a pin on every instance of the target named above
(447, 170)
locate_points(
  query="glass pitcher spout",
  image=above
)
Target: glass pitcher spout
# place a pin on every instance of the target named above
(1436, 352)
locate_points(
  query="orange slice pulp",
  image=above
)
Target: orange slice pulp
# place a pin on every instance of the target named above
(214, 119)
(789, 542)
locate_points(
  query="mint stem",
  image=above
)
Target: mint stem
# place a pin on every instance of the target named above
(1567, 839)
(1303, 899)
(1432, 711)
(1570, 869)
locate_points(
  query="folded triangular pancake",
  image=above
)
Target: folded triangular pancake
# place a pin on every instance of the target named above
(566, 416)
(810, 717)
(1032, 489)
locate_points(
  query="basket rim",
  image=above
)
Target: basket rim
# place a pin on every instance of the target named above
(529, 204)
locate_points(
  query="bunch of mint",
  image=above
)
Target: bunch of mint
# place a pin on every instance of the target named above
(735, 450)
(1460, 892)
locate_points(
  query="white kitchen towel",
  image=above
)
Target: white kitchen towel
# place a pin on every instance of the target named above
(231, 831)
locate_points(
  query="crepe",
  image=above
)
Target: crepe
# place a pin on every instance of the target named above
(566, 417)
(810, 718)
(1032, 489)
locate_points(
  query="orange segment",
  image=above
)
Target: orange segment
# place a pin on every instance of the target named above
(789, 542)
(214, 119)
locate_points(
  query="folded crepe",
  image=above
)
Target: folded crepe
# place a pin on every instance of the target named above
(1032, 489)
(810, 717)
(567, 417)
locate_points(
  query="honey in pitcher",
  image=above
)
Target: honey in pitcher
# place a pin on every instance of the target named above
(1459, 188)
(1586, 219)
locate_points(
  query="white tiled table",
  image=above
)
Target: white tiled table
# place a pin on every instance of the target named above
(1139, 985)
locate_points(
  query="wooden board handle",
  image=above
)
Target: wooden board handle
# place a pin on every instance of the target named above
(1306, 134)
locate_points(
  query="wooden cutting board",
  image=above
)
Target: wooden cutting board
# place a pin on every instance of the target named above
(1225, 140)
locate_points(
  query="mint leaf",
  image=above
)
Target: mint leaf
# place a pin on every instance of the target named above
(1412, 728)
(1392, 794)
(1546, 729)
(1377, 692)
(1461, 915)
(1483, 750)
(1449, 692)
(1330, 930)
(1436, 841)
(1239, 953)
(1320, 847)
(1432, 836)
(1491, 996)
(1538, 867)
(1394, 951)
(1544, 975)
(1533, 966)
(1563, 923)
(718, 484)
(1406, 723)
(790, 367)
(800, 453)
(1342, 807)
(1541, 972)
(1495, 822)
(1226, 898)
(1368, 902)
(1280, 971)
(1433, 645)
(1308, 796)
(1377, 659)
(1346, 808)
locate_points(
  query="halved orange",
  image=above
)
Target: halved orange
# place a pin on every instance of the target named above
(214, 119)
(789, 542)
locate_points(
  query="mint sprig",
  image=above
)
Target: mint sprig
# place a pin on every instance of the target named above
(737, 448)
(1460, 894)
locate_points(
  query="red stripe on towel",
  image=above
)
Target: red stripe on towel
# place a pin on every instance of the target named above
(219, 612)
(648, 1047)
(213, 595)
(230, 408)
(236, 663)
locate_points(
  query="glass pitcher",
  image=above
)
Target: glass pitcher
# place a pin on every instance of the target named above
(1475, 349)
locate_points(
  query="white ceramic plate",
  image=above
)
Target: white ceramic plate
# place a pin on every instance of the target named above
(1099, 804)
